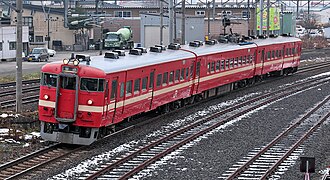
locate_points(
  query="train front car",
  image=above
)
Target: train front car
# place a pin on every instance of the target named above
(71, 102)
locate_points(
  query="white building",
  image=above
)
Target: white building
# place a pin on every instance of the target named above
(8, 42)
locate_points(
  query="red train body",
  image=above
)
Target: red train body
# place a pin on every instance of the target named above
(79, 103)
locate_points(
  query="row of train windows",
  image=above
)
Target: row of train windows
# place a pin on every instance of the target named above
(278, 53)
(162, 79)
(229, 63)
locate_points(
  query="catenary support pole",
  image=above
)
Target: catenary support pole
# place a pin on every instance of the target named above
(19, 50)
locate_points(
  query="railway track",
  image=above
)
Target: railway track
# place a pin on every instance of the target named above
(24, 90)
(139, 159)
(25, 167)
(25, 100)
(13, 84)
(266, 162)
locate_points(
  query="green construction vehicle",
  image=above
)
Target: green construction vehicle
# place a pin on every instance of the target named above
(121, 39)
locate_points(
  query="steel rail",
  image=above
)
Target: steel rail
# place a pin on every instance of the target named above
(24, 90)
(295, 146)
(26, 100)
(24, 82)
(184, 129)
(277, 139)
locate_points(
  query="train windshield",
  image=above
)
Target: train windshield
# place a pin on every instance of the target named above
(49, 80)
(89, 84)
(112, 37)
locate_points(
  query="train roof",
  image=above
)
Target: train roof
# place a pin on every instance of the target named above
(151, 58)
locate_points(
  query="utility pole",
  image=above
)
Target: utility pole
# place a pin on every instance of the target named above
(19, 49)
(161, 21)
(248, 19)
(171, 21)
(48, 33)
(261, 10)
(297, 9)
(65, 3)
(268, 16)
(174, 22)
(208, 19)
(101, 23)
(183, 25)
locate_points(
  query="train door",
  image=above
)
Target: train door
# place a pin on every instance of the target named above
(106, 101)
(260, 65)
(113, 98)
(66, 105)
(197, 75)
(151, 87)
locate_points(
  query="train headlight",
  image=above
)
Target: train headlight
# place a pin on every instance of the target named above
(89, 102)
(76, 62)
(66, 61)
(46, 96)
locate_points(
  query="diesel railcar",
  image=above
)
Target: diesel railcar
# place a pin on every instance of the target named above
(83, 98)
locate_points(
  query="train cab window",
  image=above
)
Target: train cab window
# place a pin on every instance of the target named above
(177, 75)
(137, 85)
(113, 89)
(159, 80)
(187, 73)
(122, 89)
(151, 82)
(68, 83)
(144, 83)
(89, 84)
(49, 80)
(165, 78)
(128, 88)
(222, 66)
(182, 74)
(171, 77)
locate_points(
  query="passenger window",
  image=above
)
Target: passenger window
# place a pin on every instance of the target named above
(122, 89)
(151, 82)
(227, 64)
(212, 66)
(165, 78)
(182, 74)
(49, 80)
(280, 53)
(159, 80)
(128, 88)
(171, 77)
(263, 55)
(293, 51)
(276, 53)
(217, 66)
(268, 55)
(222, 65)
(273, 54)
(177, 75)
(191, 71)
(236, 62)
(144, 83)
(231, 63)
(137, 86)
(187, 73)
(208, 67)
(240, 62)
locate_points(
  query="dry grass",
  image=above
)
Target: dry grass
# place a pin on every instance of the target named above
(28, 76)
(317, 42)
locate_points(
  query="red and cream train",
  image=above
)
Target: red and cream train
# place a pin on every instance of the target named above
(80, 102)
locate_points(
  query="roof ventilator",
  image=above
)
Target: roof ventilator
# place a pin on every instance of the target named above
(143, 49)
(120, 52)
(135, 51)
(112, 55)
(273, 35)
(174, 46)
(194, 44)
(199, 42)
(156, 49)
(161, 46)
(263, 36)
(211, 42)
